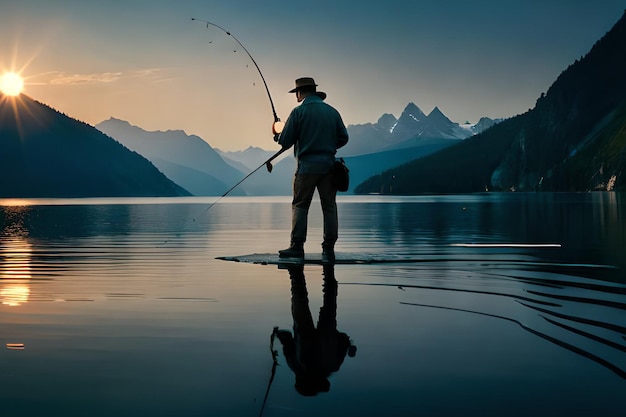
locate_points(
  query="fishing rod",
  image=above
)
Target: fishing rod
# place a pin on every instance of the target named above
(277, 126)
(267, 164)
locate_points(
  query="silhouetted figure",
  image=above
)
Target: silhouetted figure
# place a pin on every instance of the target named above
(316, 131)
(313, 353)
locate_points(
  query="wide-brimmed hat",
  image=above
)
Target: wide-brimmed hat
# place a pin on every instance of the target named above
(308, 82)
(303, 82)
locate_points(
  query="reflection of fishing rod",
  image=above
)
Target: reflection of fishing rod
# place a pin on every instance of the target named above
(274, 365)
(277, 126)
(267, 164)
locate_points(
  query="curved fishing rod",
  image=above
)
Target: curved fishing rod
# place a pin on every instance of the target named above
(275, 128)
(267, 164)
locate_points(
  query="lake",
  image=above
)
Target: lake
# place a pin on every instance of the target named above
(481, 305)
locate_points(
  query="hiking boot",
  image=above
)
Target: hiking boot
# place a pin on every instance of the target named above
(328, 254)
(293, 251)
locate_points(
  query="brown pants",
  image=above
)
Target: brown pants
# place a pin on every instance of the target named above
(304, 186)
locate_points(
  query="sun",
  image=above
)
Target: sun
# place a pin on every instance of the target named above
(11, 84)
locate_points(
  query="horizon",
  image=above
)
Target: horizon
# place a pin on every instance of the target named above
(156, 69)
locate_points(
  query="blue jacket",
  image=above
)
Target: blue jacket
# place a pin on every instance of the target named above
(316, 131)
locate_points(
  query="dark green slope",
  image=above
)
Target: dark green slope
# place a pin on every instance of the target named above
(599, 165)
(44, 153)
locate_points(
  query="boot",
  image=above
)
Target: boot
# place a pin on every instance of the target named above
(298, 234)
(328, 253)
(295, 250)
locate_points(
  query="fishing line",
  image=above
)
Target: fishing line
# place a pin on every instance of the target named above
(277, 126)
(269, 96)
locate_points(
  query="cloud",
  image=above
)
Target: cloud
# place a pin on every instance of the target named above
(103, 77)
(61, 78)
(153, 74)
(146, 72)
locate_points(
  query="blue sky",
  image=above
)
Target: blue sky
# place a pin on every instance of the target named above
(148, 63)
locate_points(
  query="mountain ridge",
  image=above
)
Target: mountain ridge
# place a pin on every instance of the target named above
(177, 155)
(413, 125)
(185, 169)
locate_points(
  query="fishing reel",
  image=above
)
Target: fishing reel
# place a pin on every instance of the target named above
(277, 127)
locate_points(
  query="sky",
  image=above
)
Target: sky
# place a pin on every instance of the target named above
(148, 63)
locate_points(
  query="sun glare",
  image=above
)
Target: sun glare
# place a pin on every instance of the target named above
(11, 84)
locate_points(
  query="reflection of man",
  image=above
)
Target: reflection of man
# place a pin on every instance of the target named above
(314, 353)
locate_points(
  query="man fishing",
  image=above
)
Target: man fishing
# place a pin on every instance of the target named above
(315, 130)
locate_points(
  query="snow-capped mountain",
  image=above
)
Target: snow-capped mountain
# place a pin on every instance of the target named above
(412, 121)
(483, 124)
(437, 125)
(412, 126)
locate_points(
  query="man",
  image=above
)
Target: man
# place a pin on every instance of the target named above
(316, 131)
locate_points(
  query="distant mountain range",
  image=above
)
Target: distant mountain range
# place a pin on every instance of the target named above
(195, 165)
(574, 139)
(410, 129)
(44, 153)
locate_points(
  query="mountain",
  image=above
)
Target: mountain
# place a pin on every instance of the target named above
(408, 130)
(439, 126)
(483, 124)
(44, 153)
(574, 139)
(245, 160)
(435, 126)
(186, 159)
(411, 122)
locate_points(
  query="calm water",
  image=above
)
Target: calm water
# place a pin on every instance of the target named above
(499, 305)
